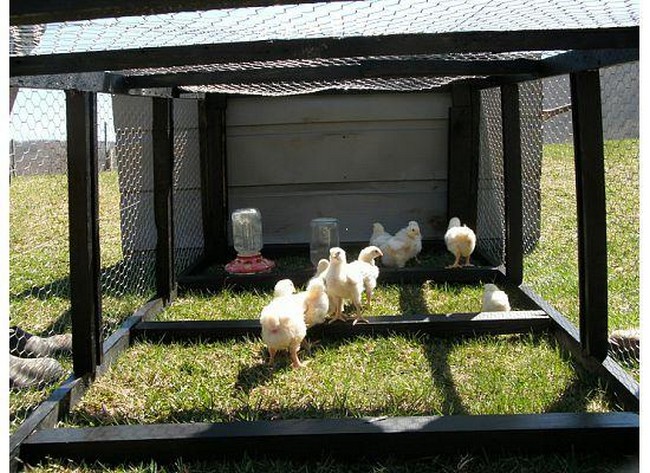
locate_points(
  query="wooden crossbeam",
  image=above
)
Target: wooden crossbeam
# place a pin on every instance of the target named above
(367, 438)
(314, 48)
(457, 324)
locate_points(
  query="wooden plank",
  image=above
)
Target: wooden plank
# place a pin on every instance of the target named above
(314, 48)
(268, 155)
(410, 437)
(592, 219)
(625, 387)
(163, 156)
(83, 205)
(214, 177)
(357, 205)
(458, 324)
(367, 69)
(512, 174)
(334, 110)
(27, 12)
(300, 277)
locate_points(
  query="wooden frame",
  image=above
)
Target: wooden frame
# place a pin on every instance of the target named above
(588, 49)
(83, 203)
(163, 168)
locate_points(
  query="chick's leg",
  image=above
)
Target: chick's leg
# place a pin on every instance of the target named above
(456, 263)
(338, 310)
(295, 361)
(358, 317)
(272, 352)
(467, 263)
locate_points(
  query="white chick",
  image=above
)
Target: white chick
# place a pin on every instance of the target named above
(403, 246)
(283, 287)
(494, 300)
(321, 271)
(379, 236)
(283, 327)
(321, 267)
(460, 242)
(316, 302)
(365, 264)
(342, 284)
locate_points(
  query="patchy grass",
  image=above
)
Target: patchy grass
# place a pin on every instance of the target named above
(397, 375)
(367, 376)
(483, 463)
(39, 266)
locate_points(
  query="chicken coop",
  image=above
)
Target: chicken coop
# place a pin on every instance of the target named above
(170, 116)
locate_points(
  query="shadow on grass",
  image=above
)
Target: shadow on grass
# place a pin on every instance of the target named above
(412, 301)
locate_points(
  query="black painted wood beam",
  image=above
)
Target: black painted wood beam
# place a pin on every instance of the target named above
(404, 437)
(163, 168)
(360, 46)
(511, 126)
(28, 12)
(83, 209)
(592, 211)
(439, 325)
(214, 177)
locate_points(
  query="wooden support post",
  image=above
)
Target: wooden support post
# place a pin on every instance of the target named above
(592, 222)
(163, 166)
(83, 204)
(510, 118)
(462, 183)
(214, 184)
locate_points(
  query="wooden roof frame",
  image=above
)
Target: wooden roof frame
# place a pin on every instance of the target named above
(587, 51)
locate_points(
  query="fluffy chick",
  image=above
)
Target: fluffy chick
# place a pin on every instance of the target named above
(379, 236)
(494, 300)
(321, 271)
(283, 327)
(460, 241)
(401, 247)
(284, 287)
(341, 283)
(365, 264)
(316, 302)
(321, 267)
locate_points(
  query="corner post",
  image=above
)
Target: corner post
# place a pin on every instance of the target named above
(511, 125)
(163, 169)
(83, 207)
(591, 208)
(214, 177)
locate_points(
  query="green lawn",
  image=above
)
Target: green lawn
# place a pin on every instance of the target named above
(397, 375)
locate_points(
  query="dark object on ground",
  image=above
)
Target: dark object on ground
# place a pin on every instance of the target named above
(33, 372)
(625, 343)
(26, 345)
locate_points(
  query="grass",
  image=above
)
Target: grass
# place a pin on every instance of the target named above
(397, 375)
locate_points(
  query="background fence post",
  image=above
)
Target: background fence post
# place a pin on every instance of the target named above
(163, 172)
(592, 218)
(83, 202)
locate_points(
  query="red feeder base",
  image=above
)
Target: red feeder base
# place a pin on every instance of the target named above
(250, 264)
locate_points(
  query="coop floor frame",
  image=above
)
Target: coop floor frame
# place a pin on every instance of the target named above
(589, 49)
(415, 436)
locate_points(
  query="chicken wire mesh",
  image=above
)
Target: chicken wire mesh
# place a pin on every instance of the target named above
(330, 19)
(490, 221)
(39, 299)
(125, 214)
(188, 223)
(557, 244)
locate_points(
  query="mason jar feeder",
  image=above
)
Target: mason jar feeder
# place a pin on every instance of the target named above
(247, 240)
(324, 235)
